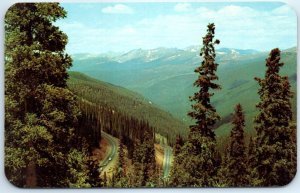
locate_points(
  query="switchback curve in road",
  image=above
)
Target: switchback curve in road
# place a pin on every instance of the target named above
(111, 157)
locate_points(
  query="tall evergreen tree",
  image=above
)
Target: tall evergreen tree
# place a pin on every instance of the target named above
(200, 158)
(275, 147)
(178, 145)
(41, 113)
(176, 173)
(251, 162)
(120, 173)
(122, 163)
(144, 163)
(234, 171)
(203, 112)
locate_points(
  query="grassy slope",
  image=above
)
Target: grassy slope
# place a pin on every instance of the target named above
(128, 102)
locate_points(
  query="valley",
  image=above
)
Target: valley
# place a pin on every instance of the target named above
(127, 103)
(156, 89)
(117, 95)
(165, 76)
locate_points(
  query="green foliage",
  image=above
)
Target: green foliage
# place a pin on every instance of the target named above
(235, 72)
(94, 174)
(145, 172)
(41, 113)
(199, 155)
(203, 111)
(122, 163)
(120, 175)
(136, 135)
(77, 169)
(275, 147)
(234, 167)
(251, 161)
(178, 145)
(46, 135)
(96, 118)
(125, 102)
(176, 172)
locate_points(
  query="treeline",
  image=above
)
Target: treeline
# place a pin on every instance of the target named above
(269, 159)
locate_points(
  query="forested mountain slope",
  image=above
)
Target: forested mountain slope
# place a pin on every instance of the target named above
(126, 102)
(165, 76)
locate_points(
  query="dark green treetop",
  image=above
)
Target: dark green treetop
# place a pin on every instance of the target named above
(234, 171)
(275, 149)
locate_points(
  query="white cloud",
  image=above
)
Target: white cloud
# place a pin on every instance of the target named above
(237, 11)
(236, 27)
(118, 9)
(182, 7)
(284, 10)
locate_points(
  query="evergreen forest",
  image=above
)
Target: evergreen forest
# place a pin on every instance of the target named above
(64, 128)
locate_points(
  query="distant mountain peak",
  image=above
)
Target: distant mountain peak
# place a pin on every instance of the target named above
(193, 48)
(237, 51)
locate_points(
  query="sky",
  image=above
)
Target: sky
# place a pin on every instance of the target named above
(121, 27)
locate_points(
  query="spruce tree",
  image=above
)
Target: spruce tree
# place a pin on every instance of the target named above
(176, 172)
(138, 166)
(122, 162)
(41, 113)
(200, 158)
(275, 147)
(120, 173)
(145, 171)
(251, 161)
(178, 145)
(203, 112)
(235, 168)
(251, 151)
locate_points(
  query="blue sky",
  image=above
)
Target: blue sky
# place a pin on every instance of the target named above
(120, 27)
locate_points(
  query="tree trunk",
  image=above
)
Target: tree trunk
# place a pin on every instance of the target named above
(31, 179)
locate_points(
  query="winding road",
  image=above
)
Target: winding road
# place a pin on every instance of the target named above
(167, 161)
(111, 157)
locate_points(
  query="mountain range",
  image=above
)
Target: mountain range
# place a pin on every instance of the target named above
(165, 77)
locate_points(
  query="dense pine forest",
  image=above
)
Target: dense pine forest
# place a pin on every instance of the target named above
(124, 103)
(57, 121)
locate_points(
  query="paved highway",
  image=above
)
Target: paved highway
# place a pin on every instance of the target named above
(167, 161)
(112, 155)
(110, 159)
